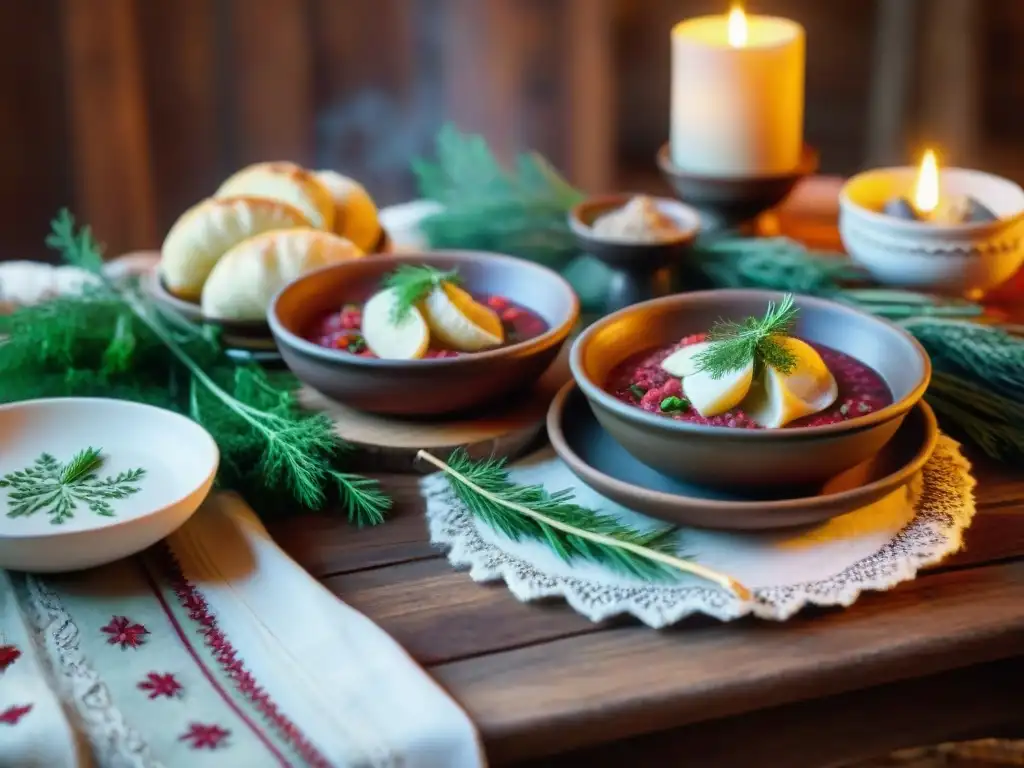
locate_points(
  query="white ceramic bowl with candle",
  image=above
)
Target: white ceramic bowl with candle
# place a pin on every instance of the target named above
(968, 258)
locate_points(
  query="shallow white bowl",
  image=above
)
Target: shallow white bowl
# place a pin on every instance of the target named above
(179, 457)
(966, 259)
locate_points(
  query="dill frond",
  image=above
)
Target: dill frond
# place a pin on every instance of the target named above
(411, 284)
(735, 345)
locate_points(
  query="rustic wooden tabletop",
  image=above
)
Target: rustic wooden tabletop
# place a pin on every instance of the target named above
(939, 658)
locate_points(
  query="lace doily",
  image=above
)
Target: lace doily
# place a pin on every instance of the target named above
(874, 548)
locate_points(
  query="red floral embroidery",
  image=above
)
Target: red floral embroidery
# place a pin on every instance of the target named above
(161, 685)
(124, 633)
(12, 715)
(202, 736)
(8, 655)
(198, 610)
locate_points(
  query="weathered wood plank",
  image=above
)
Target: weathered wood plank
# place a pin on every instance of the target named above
(181, 62)
(628, 681)
(109, 129)
(438, 614)
(960, 705)
(272, 85)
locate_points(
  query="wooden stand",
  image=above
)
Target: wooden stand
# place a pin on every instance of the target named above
(389, 443)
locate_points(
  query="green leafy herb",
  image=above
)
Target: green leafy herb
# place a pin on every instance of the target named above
(573, 532)
(114, 341)
(411, 284)
(486, 207)
(673, 404)
(637, 390)
(753, 341)
(57, 490)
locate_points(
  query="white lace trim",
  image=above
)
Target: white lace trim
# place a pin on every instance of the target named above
(115, 743)
(943, 502)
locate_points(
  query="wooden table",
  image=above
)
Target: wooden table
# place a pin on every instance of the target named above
(936, 659)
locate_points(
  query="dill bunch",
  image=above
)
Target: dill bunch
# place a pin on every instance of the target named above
(521, 212)
(735, 345)
(411, 284)
(113, 341)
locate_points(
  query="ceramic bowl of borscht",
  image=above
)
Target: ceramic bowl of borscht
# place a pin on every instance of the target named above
(749, 388)
(424, 334)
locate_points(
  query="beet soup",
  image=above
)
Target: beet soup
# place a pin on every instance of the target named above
(641, 382)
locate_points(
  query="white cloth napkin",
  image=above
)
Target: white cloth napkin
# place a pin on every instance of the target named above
(293, 677)
(354, 691)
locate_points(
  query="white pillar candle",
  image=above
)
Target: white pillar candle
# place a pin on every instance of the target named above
(737, 99)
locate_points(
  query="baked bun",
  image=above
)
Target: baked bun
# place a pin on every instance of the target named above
(208, 230)
(355, 214)
(288, 183)
(246, 279)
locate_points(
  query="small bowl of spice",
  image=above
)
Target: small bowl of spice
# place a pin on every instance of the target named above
(638, 238)
(954, 230)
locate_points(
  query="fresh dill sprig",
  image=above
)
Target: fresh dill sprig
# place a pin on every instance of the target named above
(114, 341)
(753, 341)
(570, 530)
(78, 249)
(82, 463)
(411, 283)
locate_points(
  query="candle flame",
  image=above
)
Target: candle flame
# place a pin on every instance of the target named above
(737, 27)
(926, 191)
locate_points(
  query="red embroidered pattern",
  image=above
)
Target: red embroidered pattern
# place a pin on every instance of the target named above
(8, 655)
(12, 715)
(191, 599)
(124, 633)
(161, 685)
(202, 736)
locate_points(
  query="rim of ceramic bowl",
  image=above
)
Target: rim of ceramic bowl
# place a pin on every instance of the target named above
(128, 404)
(849, 205)
(684, 215)
(554, 335)
(595, 392)
(556, 412)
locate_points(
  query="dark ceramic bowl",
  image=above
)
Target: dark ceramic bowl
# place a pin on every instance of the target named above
(729, 201)
(625, 254)
(751, 458)
(423, 387)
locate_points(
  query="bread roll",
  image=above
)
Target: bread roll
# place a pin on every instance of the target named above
(288, 183)
(246, 279)
(207, 231)
(355, 214)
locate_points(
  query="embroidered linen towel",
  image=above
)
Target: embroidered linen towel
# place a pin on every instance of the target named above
(212, 649)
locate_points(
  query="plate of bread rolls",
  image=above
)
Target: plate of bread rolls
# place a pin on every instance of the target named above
(225, 258)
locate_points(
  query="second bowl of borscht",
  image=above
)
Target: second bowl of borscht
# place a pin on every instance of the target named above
(749, 388)
(424, 334)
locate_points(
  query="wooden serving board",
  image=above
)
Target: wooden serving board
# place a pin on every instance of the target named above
(390, 443)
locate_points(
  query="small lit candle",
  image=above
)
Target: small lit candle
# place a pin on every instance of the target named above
(737, 95)
(926, 188)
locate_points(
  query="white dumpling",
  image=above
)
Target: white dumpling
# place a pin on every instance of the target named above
(205, 232)
(288, 183)
(244, 281)
(355, 213)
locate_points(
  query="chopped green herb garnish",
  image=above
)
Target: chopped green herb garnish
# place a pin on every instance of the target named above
(756, 340)
(673, 404)
(411, 283)
(844, 409)
(863, 407)
(637, 390)
(358, 344)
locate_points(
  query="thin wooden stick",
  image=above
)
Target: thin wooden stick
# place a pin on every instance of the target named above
(700, 571)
